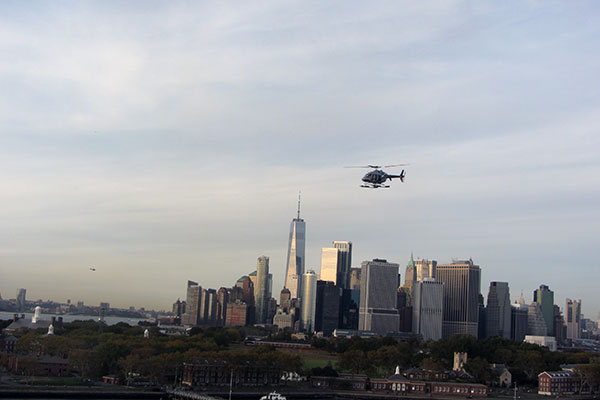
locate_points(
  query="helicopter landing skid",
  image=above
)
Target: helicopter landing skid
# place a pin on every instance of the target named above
(374, 186)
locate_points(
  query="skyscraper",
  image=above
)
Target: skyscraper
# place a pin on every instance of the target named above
(330, 265)
(536, 325)
(192, 300)
(573, 313)
(309, 298)
(345, 256)
(222, 300)
(378, 287)
(355, 279)
(545, 298)
(462, 281)
(428, 308)
(410, 275)
(21, 293)
(327, 310)
(559, 323)
(261, 289)
(209, 307)
(284, 299)
(425, 269)
(518, 322)
(295, 260)
(498, 310)
(179, 308)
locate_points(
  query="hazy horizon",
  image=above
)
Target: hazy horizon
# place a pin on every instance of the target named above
(165, 141)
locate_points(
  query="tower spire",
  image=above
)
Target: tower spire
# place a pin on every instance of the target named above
(299, 193)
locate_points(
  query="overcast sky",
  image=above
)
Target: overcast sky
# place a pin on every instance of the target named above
(167, 141)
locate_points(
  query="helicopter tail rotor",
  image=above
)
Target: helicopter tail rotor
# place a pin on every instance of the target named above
(402, 175)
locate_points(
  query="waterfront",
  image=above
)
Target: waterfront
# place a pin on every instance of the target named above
(109, 320)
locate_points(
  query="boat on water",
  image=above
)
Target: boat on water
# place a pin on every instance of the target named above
(273, 396)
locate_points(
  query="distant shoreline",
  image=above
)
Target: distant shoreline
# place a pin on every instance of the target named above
(109, 319)
(65, 393)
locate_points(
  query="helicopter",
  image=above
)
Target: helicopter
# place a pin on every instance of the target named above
(377, 178)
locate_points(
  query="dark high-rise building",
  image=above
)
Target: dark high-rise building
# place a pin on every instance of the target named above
(498, 310)
(405, 311)
(284, 299)
(545, 298)
(248, 298)
(518, 322)
(536, 325)
(222, 300)
(349, 301)
(355, 278)
(559, 323)
(248, 291)
(179, 308)
(345, 256)
(271, 310)
(462, 281)
(295, 259)
(235, 293)
(327, 307)
(378, 287)
(208, 307)
(482, 325)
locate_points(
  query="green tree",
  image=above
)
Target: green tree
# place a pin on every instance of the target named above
(86, 362)
(432, 365)
(590, 376)
(109, 354)
(356, 361)
(480, 369)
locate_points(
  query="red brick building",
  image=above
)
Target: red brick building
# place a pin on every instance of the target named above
(218, 373)
(399, 384)
(558, 382)
(38, 366)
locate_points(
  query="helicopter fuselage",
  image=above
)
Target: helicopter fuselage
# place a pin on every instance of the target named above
(377, 177)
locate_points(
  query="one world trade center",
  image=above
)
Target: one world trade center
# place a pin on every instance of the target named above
(295, 258)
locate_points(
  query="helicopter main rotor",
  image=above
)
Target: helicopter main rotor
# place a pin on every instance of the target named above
(376, 166)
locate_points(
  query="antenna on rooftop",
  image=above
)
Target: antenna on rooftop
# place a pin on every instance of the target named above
(299, 193)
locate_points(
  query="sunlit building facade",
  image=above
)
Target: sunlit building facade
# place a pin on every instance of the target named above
(261, 289)
(295, 259)
(573, 318)
(330, 265)
(309, 300)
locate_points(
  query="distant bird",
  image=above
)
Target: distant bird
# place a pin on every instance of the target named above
(92, 269)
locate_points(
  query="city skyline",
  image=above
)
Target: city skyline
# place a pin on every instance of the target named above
(166, 143)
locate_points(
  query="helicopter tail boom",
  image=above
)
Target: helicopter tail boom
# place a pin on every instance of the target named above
(401, 176)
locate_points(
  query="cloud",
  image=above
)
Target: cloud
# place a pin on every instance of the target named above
(161, 142)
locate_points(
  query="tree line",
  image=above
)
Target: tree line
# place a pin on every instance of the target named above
(94, 350)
